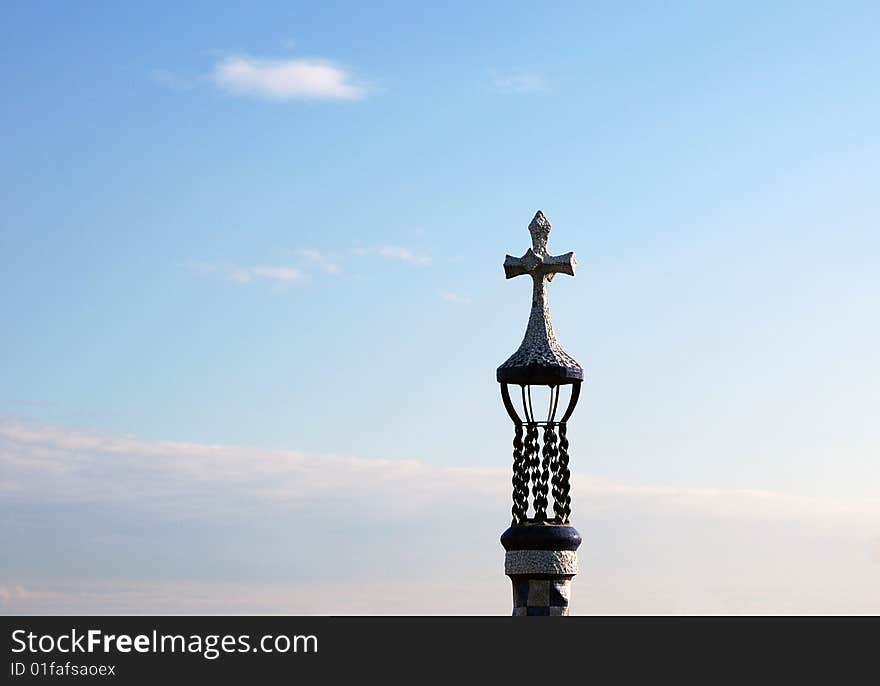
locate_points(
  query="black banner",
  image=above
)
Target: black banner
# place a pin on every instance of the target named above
(135, 650)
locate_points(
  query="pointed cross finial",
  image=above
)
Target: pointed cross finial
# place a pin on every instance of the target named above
(540, 358)
(537, 261)
(540, 230)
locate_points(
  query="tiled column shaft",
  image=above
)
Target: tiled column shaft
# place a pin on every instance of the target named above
(541, 560)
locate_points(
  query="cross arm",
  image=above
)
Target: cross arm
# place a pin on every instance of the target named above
(541, 264)
(560, 264)
(514, 266)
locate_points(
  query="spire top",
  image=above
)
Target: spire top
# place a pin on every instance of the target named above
(540, 359)
(540, 230)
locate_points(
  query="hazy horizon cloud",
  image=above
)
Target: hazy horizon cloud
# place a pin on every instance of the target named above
(647, 548)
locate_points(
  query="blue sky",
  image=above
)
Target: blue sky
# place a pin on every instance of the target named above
(281, 228)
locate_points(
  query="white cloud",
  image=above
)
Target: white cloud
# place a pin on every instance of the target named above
(323, 261)
(404, 254)
(291, 79)
(524, 82)
(456, 298)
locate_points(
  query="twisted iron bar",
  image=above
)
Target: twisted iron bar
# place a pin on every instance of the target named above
(531, 448)
(562, 504)
(550, 439)
(547, 464)
(520, 479)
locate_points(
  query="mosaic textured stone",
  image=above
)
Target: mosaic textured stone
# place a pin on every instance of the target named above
(560, 562)
(540, 358)
(540, 597)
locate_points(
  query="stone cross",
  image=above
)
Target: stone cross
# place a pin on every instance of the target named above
(536, 261)
(540, 351)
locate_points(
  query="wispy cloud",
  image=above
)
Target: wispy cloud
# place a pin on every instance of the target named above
(244, 275)
(395, 252)
(455, 298)
(323, 261)
(287, 79)
(283, 274)
(523, 82)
